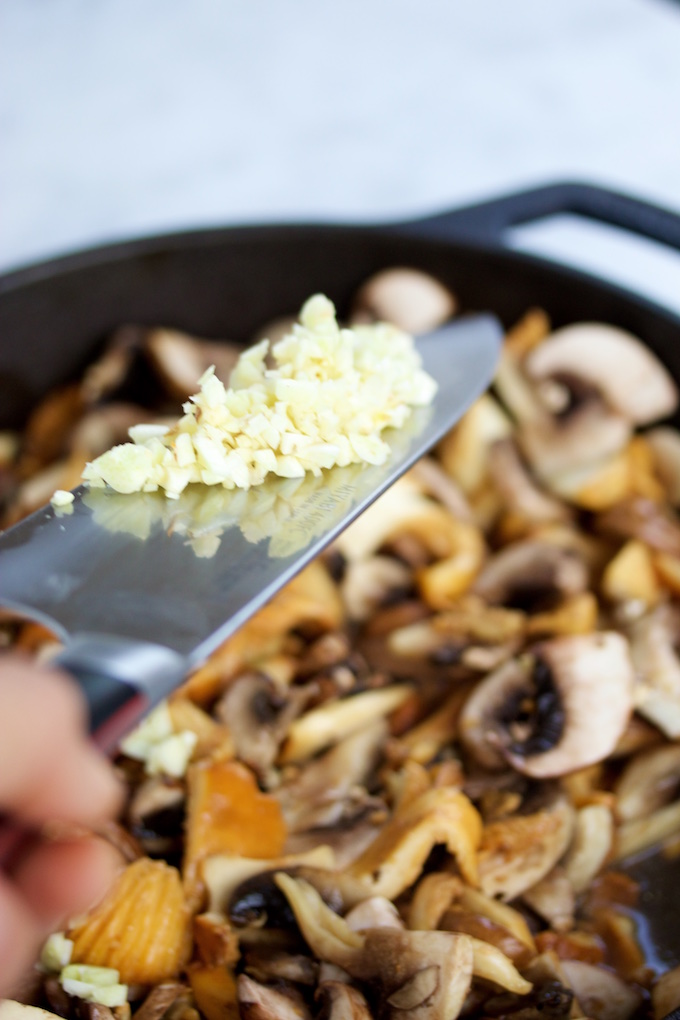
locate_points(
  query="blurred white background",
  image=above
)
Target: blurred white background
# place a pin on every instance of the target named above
(125, 117)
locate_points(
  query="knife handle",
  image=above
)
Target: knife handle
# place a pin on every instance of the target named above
(121, 681)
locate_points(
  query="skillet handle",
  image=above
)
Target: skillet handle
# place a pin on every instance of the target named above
(488, 222)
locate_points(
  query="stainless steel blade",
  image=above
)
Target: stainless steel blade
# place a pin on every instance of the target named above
(186, 573)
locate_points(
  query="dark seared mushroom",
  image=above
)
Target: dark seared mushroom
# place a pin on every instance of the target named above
(518, 851)
(561, 707)
(532, 575)
(645, 519)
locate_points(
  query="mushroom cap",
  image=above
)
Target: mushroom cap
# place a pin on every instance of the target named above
(531, 570)
(409, 298)
(627, 373)
(561, 708)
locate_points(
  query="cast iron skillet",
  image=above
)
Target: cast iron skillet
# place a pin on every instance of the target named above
(227, 282)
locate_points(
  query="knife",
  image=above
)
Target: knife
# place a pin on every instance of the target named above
(141, 589)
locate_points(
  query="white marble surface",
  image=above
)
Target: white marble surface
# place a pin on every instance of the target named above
(124, 117)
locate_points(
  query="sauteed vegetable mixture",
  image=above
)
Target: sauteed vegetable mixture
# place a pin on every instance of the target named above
(405, 788)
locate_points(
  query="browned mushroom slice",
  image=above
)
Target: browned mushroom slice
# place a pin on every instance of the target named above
(258, 713)
(654, 639)
(396, 858)
(644, 519)
(465, 452)
(433, 896)
(427, 973)
(648, 782)
(435, 481)
(342, 1001)
(334, 720)
(260, 1002)
(518, 851)
(528, 505)
(181, 359)
(409, 298)
(627, 373)
(630, 580)
(553, 899)
(224, 873)
(532, 575)
(665, 993)
(423, 974)
(369, 583)
(329, 789)
(591, 845)
(545, 714)
(664, 443)
(602, 994)
(104, 427)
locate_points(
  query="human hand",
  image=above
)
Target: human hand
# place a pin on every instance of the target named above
(50, 772)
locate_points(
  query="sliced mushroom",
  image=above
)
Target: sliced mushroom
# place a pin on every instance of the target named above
(259, 1002)
(532, 575)
(329, 789)
(372, 582)
(648, 782)
(602, 994)
(553, 899)
(626, 372)
(664, 443)
(181, 359)
(342, 1001)
(591, 845)
(644, 519)
(561, 707)
(330, 722)
(408, 298)
(654, 640)
(224, 873)
(522, 498)
(435, 481)
(585, 434)
(396, 858)
(258, 713)
(518, 851)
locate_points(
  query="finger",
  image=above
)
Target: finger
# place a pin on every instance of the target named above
(59, 880)
(20, 937)
(48, 767)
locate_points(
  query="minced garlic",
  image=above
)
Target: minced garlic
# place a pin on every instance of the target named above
(62, 498)
(155, 742)
(325, 403)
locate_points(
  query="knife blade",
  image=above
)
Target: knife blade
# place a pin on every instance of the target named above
(141, 589)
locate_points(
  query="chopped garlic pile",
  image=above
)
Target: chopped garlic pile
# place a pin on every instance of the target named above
(325, 403)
